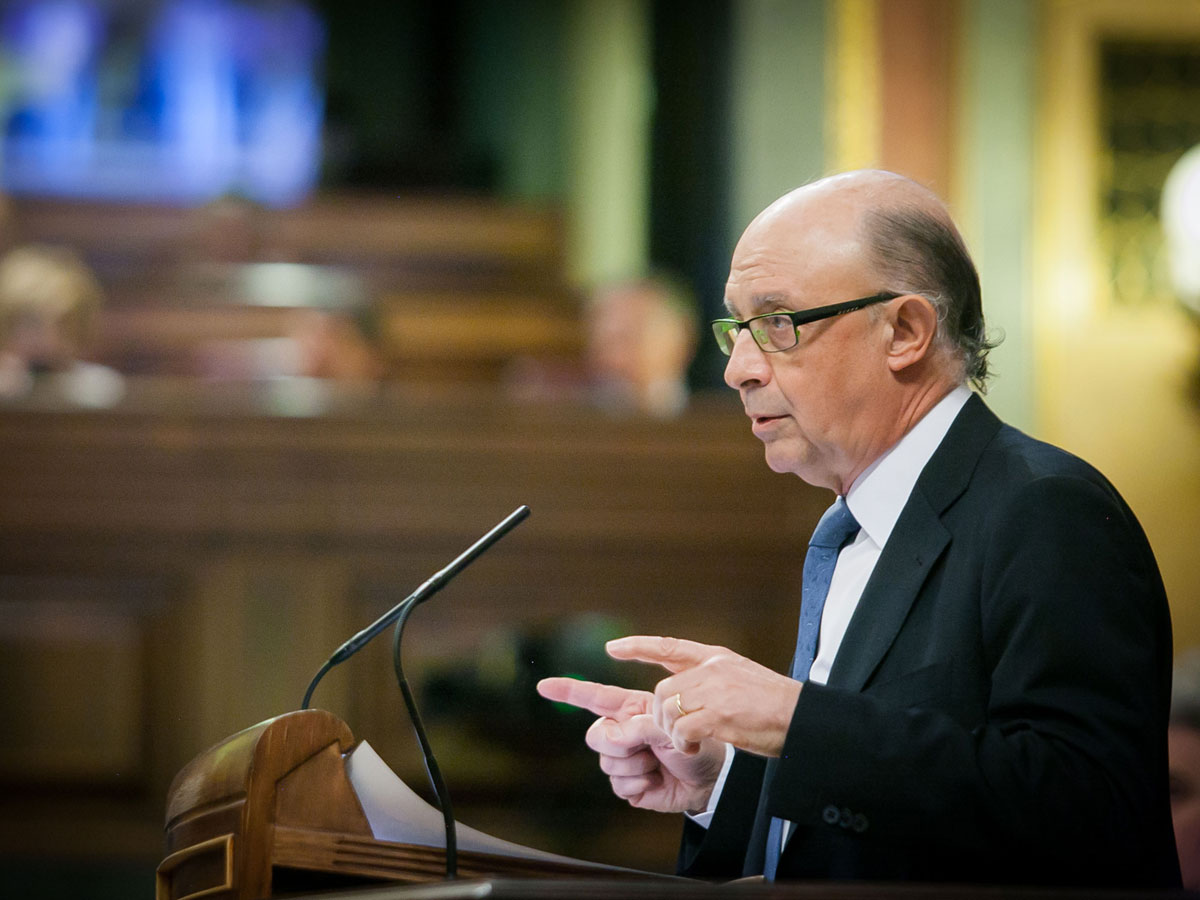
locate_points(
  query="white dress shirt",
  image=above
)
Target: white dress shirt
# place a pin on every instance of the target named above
(876, 499)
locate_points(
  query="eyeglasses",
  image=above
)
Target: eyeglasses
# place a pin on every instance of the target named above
(781, 330)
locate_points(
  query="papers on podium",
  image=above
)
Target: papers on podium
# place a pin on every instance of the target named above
(398, 814)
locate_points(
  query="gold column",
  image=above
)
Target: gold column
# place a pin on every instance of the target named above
(853, 104)
(1111, 381)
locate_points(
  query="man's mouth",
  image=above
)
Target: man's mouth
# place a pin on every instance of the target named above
(763, 425)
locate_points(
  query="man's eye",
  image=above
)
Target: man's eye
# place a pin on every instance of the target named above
(778, 323)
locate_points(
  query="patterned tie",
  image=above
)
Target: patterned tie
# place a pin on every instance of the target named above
(832, 533)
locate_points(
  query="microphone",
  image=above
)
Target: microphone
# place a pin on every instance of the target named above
(420, 595)
(399, 614)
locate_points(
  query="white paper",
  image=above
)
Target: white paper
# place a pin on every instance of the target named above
(397, 813)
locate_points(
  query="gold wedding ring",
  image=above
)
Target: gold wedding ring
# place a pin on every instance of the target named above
(679, 706)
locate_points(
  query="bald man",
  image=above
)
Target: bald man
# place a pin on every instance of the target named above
(987, 697)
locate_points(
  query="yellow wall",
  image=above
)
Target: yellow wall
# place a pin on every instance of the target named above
(1111, 383)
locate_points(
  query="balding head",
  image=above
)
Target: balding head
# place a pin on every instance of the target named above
(905, 233)
(842, 203)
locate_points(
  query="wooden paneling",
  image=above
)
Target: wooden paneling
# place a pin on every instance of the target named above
(71, 662)
(176, 569)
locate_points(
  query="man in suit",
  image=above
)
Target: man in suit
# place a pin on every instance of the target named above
(981, 686)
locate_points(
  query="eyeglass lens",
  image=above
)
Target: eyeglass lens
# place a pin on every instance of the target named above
(770, 332)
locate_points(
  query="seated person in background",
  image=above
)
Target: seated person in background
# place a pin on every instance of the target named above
(330, 344)
(335, 345)
(49, 301)
(1183, 746)
(641, 337)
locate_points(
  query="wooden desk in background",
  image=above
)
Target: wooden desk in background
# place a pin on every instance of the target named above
(176, 569)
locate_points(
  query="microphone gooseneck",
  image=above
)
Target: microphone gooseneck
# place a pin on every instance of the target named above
(421, 594)
(431, 767)
(399, 615)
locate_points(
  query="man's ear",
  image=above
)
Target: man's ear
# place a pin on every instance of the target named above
(914, 325)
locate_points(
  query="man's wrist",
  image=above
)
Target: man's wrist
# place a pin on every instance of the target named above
(704, 816)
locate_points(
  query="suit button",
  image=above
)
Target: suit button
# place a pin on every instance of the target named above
(845, 818)
(831, 815)
(859, 823)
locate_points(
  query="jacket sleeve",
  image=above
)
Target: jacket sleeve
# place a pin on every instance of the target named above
(719, 851)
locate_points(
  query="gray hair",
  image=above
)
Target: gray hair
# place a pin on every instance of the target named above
(921, 253)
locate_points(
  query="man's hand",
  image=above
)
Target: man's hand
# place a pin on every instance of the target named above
(714, 694)
(665, 750)
(643, 765)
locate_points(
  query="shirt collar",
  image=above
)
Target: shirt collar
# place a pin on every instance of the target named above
(879, 494)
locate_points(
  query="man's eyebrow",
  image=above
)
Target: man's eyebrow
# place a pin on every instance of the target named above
(759, 303)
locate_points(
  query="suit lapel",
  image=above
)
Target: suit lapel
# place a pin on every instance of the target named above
(917, 541)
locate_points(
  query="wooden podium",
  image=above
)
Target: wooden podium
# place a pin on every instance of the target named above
(271, 810)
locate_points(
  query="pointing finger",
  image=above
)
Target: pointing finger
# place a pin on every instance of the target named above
(602, 699)
(673, 654)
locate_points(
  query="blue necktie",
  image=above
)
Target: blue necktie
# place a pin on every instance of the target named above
(832, 532)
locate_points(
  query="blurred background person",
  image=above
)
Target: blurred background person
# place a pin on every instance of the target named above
(332, 344)
(1183, 746)
(640, 338)
(49, 303)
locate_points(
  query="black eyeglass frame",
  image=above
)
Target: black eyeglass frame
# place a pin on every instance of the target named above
(803, 317)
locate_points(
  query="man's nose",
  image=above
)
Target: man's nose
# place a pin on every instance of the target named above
(747, 362)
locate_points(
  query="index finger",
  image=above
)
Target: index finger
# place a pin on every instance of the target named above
(673, 654)
(602, 699)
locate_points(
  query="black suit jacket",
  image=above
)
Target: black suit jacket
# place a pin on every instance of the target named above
(997, 710)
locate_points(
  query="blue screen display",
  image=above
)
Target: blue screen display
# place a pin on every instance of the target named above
(172, 101)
